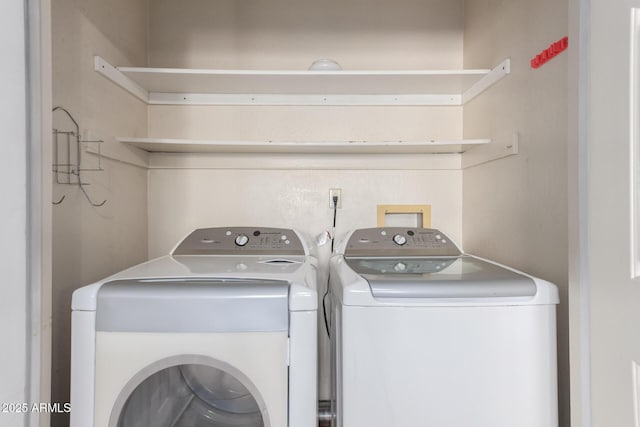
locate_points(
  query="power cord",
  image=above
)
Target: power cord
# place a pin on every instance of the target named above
(324, 307)
(326, 292)
(335, 212)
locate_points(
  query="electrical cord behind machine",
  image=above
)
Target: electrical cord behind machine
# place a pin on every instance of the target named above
(326, 292)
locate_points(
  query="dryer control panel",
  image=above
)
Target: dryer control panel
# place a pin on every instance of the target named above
(399, 241)
(241, 241)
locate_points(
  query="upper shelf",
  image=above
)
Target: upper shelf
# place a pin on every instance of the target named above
(180, 86)
(169, 145)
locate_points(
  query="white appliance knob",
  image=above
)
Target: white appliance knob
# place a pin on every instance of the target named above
(242, 239)
(399, 239)
(401, 266)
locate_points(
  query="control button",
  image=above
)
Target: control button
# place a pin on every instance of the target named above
(283, 237)
(242, 239)
(400, 266)
(410, 232)
(207, 240)
(228, 233)
(444, 241)
(399, 239)
(384, 233)
(438, 236)
(256, 233)
(286, 242)
(241, 267)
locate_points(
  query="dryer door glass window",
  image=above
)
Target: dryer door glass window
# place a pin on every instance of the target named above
(191, 396)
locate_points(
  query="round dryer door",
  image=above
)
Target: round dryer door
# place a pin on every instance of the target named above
(191, 395)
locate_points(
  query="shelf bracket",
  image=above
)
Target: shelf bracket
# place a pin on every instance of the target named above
(116, 76)
(504, 146)
(495, 75)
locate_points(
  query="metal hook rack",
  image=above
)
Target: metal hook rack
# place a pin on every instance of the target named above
(68, 170)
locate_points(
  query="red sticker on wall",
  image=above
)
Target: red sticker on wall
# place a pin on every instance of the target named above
(549, 53)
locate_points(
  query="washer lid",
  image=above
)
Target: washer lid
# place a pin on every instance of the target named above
(440, 277)
(193, 305)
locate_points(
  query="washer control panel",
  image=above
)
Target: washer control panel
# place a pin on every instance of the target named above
(399, 241)
(241, 240)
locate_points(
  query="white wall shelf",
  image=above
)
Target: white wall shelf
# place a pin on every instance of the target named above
(165, 145)
(177, 86)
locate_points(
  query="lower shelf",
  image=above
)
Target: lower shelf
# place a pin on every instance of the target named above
(167, 145)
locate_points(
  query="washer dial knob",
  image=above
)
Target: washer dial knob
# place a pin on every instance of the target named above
(242, 239)
(400, 267)
(399, 239)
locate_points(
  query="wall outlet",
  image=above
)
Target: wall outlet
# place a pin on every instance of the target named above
(335, 192)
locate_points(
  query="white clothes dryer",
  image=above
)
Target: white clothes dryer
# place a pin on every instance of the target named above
(424, 335)
(222, 332)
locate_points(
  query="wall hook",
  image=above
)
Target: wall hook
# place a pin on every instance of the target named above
(68, 157)
(89, 198)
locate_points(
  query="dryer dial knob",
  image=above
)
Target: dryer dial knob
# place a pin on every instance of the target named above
(242, 239)
(399, 239)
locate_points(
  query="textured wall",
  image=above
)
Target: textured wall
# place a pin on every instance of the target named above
(92, 242)
(292, 190)
(515, 209)
(521, 199)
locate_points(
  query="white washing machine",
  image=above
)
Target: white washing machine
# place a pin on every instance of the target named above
(222, 332)
(424, 335)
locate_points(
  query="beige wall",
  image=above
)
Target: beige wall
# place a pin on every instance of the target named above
(521, 199)
(181, 200)
(286, 34)
(90, 242)
(515, 209)
(290, 34)
(293, 190)
(306, 123)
